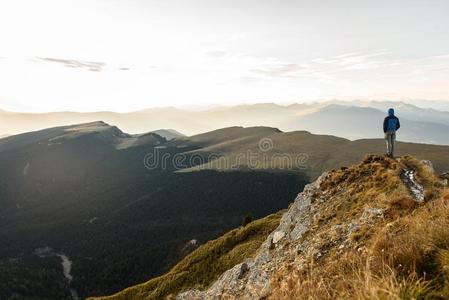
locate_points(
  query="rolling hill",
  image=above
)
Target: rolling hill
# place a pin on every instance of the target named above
(300, 150)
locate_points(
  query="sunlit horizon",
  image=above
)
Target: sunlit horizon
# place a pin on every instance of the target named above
(433, 104)
(123, 56)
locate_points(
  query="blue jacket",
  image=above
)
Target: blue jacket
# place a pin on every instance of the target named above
(391, 122)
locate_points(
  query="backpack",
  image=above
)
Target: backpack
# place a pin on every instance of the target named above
(392, 124)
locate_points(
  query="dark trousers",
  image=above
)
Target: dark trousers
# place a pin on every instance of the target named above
(390, 138)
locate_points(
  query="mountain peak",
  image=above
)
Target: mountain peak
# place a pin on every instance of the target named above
(345, 219)
(342, 213)
(90, 125)
(168, 134)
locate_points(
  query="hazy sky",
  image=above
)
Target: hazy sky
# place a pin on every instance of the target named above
(125, 55)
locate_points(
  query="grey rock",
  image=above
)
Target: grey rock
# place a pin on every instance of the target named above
(278, 235)
(243, 270)
(429, 164)
(371, 213)
(191, 295)
(353, 227)
(445, 177)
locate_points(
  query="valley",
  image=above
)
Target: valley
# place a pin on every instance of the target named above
(98, 204)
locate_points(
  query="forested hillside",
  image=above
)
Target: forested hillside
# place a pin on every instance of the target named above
(85, 191)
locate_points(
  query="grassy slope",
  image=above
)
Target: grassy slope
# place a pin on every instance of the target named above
(206, 264)
(322, 152)
(405, 255)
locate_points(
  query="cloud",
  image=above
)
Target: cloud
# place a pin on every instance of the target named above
(251, 79)
(281, 70)
(443, 56)
(72, 63)
(216, 53)
(325, 68)
(368, 65)
(353, 60)
(421, 64)
(237, 37)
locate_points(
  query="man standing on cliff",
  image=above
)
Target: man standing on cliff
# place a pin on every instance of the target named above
(391, 125)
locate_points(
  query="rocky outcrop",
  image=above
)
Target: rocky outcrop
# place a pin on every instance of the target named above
(429, 164)
(310, 229)
(251, 279)
(445, 178)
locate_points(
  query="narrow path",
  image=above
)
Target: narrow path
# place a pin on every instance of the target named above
(417, 190)
(67, 268)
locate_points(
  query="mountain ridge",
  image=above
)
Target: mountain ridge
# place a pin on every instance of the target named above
(420, 124)
(344, 213)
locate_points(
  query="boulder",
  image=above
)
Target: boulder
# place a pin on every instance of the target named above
(278, 235)
(428, 163)
(243, 270)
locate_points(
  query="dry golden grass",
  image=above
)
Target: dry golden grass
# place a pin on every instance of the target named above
(400, 205)
(415, 240)
(375, 180)
(404, 256)
(351, 277)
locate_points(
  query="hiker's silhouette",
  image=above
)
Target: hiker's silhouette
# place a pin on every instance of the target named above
(391, 125)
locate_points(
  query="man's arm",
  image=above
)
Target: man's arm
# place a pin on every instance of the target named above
(398, 125)
(385, 124)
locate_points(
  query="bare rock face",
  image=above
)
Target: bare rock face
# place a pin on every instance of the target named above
(243, 269)
(251, 279)
(372, 213)
(445, 178)
(309, 230)
(278, 235)
(429, 164)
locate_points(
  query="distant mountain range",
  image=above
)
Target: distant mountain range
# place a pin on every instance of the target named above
(116, 203)
(352, 120)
